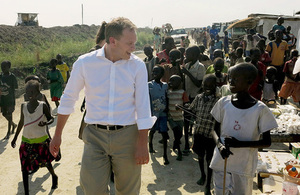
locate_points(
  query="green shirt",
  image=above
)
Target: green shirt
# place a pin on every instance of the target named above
(211, 70)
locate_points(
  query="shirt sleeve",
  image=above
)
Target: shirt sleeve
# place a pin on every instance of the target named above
(209, 70)
(268, 49)
(66, 67)
(72, 90)
(142, 101)
(286, 46)
(60, 77)
(193, 105)
(202, 72)
(267, 120)
(216, 111)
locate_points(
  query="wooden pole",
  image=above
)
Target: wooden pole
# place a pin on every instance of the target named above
(224, 177)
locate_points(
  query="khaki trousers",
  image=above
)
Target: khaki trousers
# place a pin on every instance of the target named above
(105, 150)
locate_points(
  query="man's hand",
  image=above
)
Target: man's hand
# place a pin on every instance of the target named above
(54, 145)
(56, 141)
(141, 153)
(82, 108)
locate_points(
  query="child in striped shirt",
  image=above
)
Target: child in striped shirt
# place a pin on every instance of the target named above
(176, 97)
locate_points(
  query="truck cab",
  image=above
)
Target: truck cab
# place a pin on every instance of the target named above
(27, 19)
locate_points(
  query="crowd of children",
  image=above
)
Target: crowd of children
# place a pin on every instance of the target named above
(223, 93)
(223, 104)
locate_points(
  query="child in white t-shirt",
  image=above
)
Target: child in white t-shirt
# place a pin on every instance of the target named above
(241, 119)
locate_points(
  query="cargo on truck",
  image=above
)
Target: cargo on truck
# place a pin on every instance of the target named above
(263, 23)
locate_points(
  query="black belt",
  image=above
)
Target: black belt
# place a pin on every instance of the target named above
(109, 127)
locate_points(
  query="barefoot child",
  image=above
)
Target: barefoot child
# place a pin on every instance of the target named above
(241, 120)
(220, 76)
(63, 68)
(8, 84)
(149, 60)
(40, 97)
(203, 142)
(56, 82)
(291, 85)
(158, 101)
(194, 72)
(270, 87)
(239, 54)
(34, 148)
(176, 96)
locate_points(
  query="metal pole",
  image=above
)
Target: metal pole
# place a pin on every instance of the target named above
(81, 13)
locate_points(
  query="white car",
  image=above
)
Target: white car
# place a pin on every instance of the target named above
(177, 34)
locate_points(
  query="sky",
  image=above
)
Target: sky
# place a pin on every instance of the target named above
(180, 13)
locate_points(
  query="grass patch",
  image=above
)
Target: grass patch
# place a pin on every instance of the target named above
(30, 46)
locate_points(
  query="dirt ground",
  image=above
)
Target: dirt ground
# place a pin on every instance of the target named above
(179, 177)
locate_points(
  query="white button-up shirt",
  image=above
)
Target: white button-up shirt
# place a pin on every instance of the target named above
(198, 71)
(116, 92)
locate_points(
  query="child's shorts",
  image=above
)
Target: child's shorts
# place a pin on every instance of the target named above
(203, 145)
(7, 110)
(55, 99)
(235, 184)
(290, 89)
(160, 125)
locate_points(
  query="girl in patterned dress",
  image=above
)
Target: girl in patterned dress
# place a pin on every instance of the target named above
(34, 149)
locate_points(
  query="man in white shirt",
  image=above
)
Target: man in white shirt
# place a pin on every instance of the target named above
(118, 112)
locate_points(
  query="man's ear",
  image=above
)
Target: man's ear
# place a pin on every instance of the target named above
(112, 40)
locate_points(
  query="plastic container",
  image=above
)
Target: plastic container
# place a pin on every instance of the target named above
(293, 172)
(288, 166)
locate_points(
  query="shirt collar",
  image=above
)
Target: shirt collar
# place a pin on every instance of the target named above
(101, 53)
(196, 64)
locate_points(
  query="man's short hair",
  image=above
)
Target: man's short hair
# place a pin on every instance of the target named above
(116, 26)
